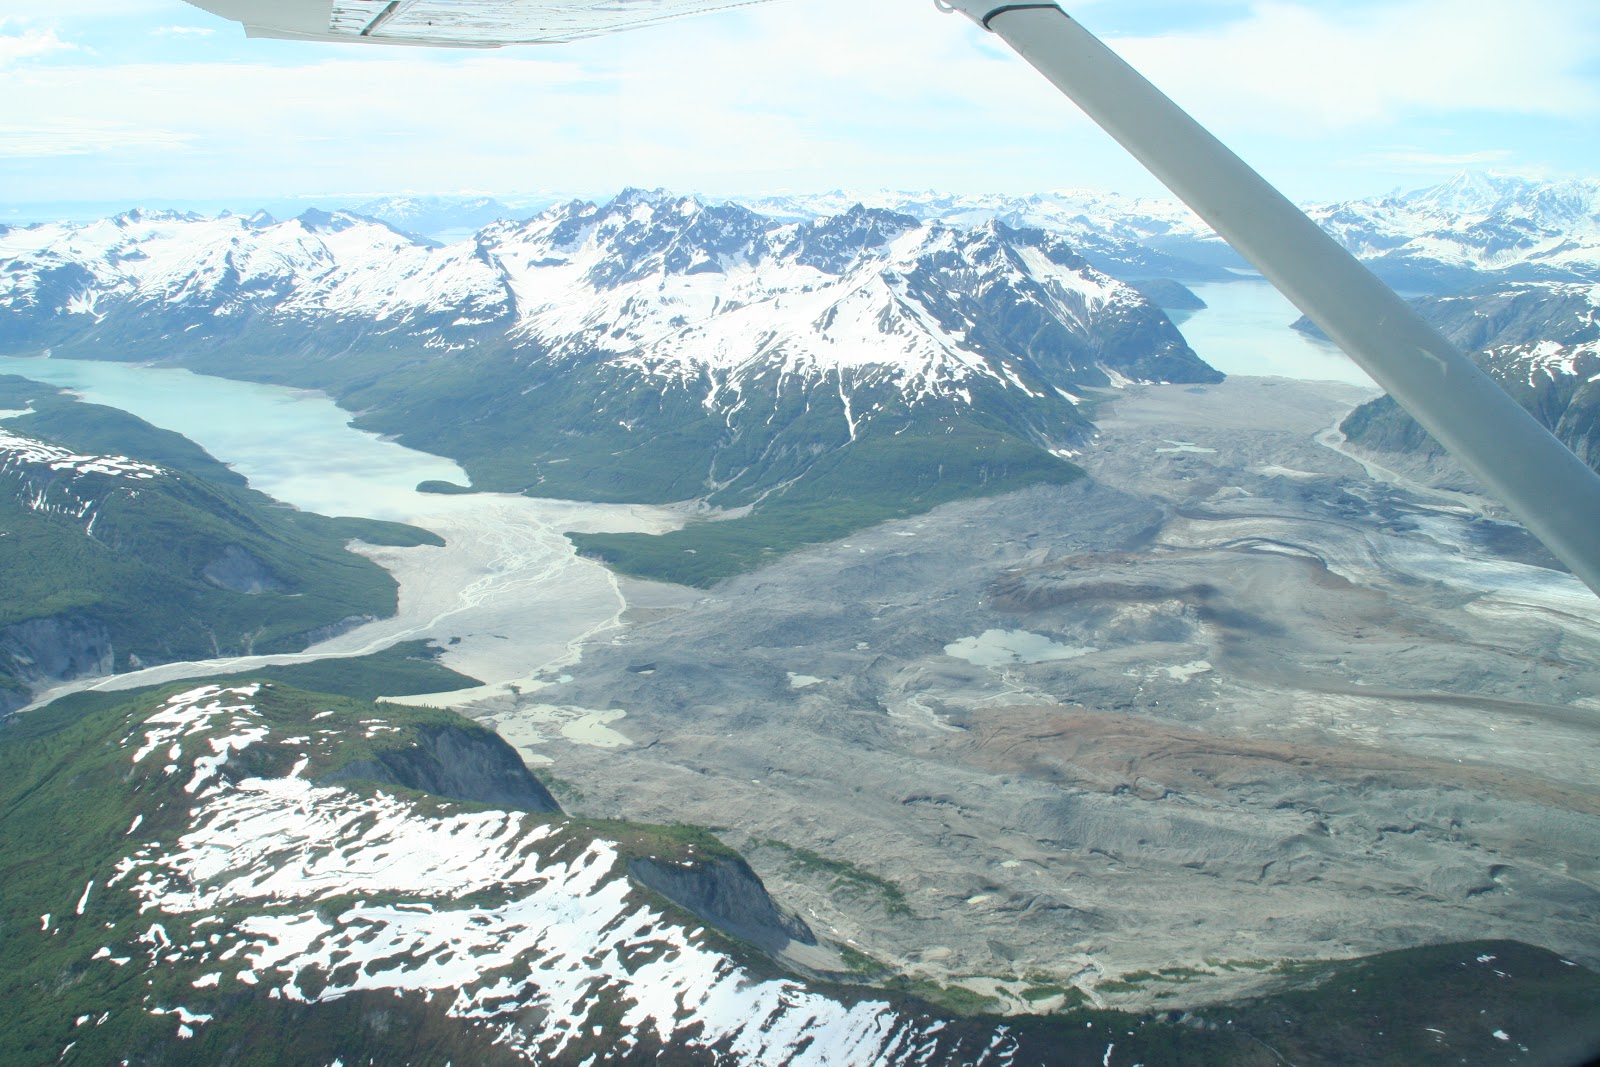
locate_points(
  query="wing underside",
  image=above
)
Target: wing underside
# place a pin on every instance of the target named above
(458, 23)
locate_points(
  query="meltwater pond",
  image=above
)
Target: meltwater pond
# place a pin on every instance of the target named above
(508, 597)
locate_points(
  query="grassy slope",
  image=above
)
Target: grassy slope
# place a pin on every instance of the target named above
(65, 808)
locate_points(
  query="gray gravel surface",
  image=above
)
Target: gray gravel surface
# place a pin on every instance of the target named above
(1231, 701)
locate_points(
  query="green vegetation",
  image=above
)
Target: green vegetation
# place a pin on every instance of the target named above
(1134, 979)
(1074, 997)
(406, 669)
(876, 480)
(558, 430)
(955, 999)
(181, 567)
(643, 841)
(841, 875)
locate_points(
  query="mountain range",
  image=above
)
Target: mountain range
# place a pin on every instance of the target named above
(1473, 229)
(827, 373)
(427, 216)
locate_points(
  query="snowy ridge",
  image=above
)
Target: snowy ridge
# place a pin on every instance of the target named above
(50, 479)
(1478, 223)
(669, 287)
(316, 264)
(510, 923)
(1473, 223)
(1064, 211)
(1547, 362)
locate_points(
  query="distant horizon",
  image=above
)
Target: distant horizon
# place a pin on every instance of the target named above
(535, 202)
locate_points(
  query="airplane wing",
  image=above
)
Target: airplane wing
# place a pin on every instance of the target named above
(452, 23)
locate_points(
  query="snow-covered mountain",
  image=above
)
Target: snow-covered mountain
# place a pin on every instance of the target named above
(254, 877)
(1131, 238)
(738, 347)
(1473, 229)
(430, 215)
(1541, 341)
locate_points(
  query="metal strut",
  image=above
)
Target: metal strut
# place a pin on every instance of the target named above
(1553, 493)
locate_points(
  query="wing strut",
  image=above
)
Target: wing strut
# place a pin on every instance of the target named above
(1547, 487)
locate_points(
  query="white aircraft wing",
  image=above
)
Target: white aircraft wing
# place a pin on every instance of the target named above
(452, 23)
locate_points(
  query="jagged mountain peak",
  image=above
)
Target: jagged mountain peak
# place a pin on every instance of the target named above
(653, 310)
(140, 215)
(316, 220)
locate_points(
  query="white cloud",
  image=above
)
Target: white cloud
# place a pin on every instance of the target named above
(84, 139)
(1291, 69)
(29, 44)
(1418, 159)
(57, 10)
(755, 96)
(803, 94)
(184, 31)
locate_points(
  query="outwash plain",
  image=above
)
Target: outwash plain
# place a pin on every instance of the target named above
(1236, 699)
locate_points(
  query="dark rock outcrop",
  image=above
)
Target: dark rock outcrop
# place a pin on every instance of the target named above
(1169, 295)
(726, 893)
(458, 764)
(39, 652)
(239, 571)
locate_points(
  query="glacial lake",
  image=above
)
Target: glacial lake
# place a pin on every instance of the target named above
(293, 444)
(1245, 329)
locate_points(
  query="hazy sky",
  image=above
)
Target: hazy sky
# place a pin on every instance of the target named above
(154, 100)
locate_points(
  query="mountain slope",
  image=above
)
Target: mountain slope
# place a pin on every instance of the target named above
(202, 875)
(655, 348)
(234, 901)
(109, 562)
(1540, 341)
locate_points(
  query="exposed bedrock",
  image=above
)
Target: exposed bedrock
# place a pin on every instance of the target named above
(460, 764)
(39, 652)
(726, 893)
